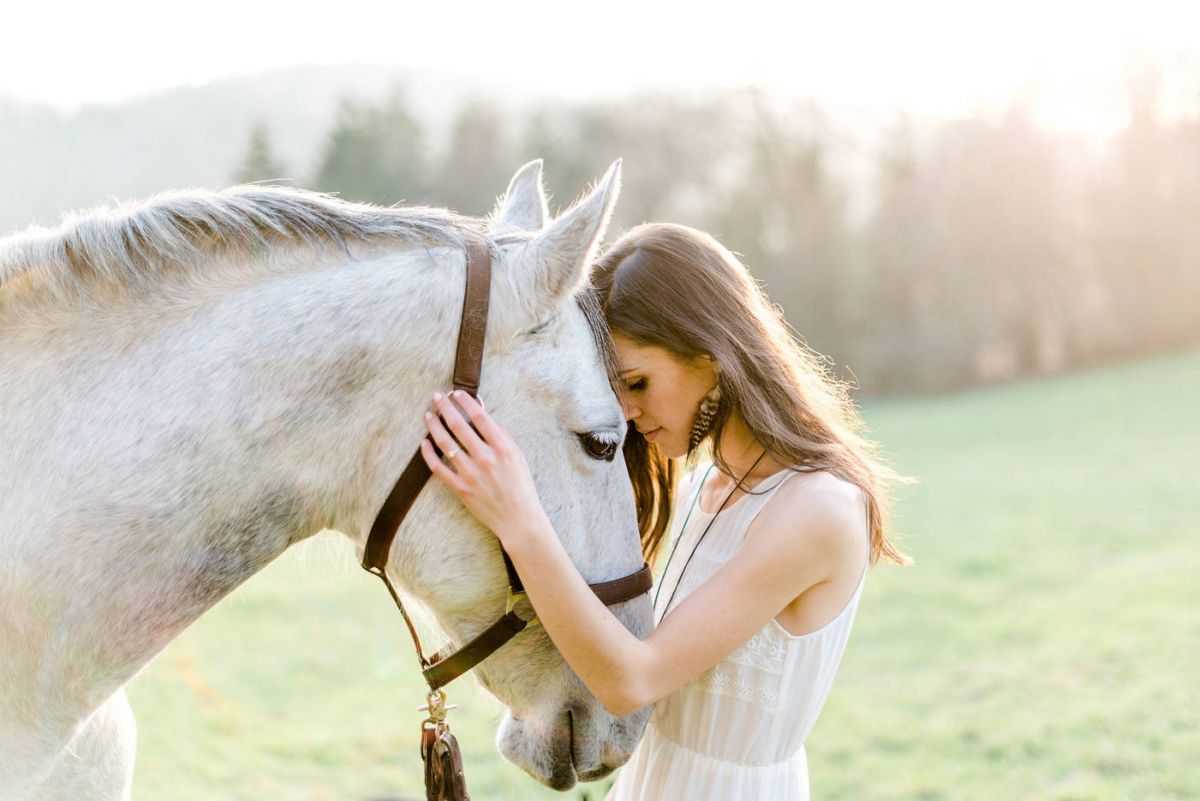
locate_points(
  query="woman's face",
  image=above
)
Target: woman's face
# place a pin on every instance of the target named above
(662, 392)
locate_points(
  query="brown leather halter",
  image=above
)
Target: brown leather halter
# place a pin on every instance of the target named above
(441, 669)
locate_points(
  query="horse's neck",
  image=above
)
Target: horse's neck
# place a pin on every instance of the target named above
(257, 421)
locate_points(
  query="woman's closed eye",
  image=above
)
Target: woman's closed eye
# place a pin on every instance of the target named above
(636, 386)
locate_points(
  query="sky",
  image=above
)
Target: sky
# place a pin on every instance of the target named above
(1069, 60)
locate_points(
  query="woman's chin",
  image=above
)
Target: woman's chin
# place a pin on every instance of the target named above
(670, 449)
(666, 444)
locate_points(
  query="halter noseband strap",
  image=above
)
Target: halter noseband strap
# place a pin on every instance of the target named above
(468, 363)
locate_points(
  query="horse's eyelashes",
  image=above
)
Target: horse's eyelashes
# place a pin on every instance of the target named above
(601, 445)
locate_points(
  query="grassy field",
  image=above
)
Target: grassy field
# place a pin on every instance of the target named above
(1045, 647)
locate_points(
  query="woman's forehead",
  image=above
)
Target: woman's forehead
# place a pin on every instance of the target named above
(634, 356)
(627, 349)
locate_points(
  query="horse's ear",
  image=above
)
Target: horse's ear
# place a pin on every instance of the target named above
(557, 260)
(524, 204)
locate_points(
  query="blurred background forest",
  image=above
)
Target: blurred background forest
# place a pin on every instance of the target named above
(919, 256)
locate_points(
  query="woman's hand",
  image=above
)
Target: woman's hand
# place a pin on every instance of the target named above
(482, 466)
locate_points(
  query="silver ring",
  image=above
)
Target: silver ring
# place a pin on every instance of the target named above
(452, 453)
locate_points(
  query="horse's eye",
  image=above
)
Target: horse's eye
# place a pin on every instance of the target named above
(600, 444)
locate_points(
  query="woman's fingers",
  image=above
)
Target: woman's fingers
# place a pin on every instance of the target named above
(445, 441)
(458, 424)
(483, 422)
(440, 468)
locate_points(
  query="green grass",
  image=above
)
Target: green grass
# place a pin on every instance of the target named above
(1045, 647)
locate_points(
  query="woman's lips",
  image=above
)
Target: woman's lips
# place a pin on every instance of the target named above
(650, 435)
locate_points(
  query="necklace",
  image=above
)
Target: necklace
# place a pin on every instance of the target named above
(696, 500)
(683, 528)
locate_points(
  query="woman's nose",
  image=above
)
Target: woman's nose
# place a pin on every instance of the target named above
(632, 412)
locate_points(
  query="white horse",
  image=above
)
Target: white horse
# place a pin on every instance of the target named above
(190, 385)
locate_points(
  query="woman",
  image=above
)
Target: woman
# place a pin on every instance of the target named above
(770, 540)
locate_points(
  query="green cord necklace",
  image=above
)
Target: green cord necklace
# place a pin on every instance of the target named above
(683, 528)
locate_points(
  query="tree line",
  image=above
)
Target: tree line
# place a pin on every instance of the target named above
(990, 249)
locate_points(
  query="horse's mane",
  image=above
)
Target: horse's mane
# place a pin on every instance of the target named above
(131, 246)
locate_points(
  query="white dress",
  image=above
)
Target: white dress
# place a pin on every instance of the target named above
(736, 732)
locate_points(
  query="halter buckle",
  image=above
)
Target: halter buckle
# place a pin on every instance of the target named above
(513, 599)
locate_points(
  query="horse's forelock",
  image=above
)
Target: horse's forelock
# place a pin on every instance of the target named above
(588, 300)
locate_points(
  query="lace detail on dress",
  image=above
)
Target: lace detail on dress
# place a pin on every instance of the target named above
(743, 688)
(762, 651)
(751, 673)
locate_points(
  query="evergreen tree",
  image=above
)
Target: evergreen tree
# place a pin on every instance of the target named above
(374, 154)
(259, 163)
(478, 162)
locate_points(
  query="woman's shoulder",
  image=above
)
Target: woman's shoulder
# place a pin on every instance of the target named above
(823, 489)
(817, 510)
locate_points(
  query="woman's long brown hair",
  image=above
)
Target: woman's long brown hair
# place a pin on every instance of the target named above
(679, 289)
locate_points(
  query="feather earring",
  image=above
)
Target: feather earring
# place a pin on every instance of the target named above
(704, 416)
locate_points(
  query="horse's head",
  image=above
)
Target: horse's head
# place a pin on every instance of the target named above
(546, 379)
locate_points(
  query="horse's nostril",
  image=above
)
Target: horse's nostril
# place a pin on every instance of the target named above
(571, 735)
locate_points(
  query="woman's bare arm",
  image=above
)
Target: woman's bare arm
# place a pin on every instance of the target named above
(806, 533)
